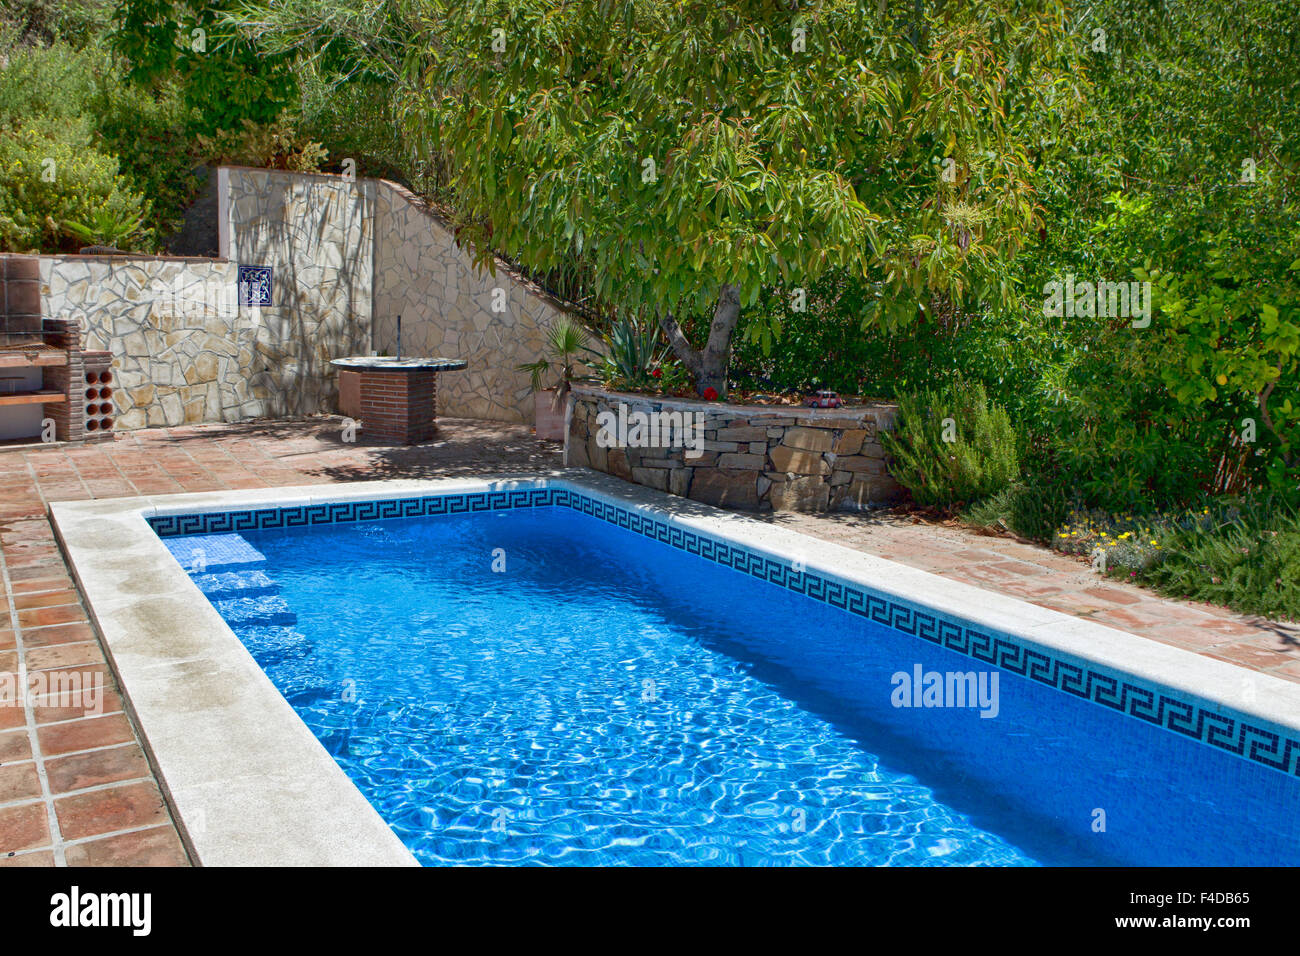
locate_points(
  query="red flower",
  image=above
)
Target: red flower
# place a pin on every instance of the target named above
(710, 393)
(656, 373)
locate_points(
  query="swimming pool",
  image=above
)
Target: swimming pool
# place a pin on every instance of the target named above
(547, 673)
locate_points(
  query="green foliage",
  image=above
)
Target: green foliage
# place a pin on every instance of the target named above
(669, 177)
(76, 22)
(107, 226)
(52, 179)
(1027, 508)
(951, 447)
(147, 131)
(80, 89)
(1243, 555)
(224, 77)
(276, 145)
(357, 121)
(565, 341)
(633, 350)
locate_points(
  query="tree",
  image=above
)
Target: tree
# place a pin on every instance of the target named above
(225, 78)
(690, 155)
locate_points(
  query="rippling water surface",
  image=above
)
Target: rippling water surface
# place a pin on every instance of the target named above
(604, 699)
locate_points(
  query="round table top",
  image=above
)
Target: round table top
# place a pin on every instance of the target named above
(380, 363)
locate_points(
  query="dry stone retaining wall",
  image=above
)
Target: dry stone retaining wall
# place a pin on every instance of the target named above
(754, 458)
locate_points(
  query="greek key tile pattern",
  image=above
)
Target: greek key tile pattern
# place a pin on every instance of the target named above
(1150, 703)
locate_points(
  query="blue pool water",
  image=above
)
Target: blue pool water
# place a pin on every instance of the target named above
(606, 699)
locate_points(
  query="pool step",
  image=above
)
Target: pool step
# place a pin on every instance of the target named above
(246, 611)
(235, 584)
(206, 553)
(272, 644)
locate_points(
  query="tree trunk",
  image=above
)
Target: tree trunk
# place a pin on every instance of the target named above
(708, 366)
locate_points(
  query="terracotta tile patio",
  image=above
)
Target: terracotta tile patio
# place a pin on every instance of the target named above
(75, 786)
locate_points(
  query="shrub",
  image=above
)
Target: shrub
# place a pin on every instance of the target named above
(1245, 555)
(147, 132)
(277, 145)
(51, 177)
(952, 446)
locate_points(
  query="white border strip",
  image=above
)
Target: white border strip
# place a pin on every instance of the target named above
(251, 784)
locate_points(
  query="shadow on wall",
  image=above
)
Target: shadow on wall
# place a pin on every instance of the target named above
(315, 233)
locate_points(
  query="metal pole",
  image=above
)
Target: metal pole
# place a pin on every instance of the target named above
(399, 336)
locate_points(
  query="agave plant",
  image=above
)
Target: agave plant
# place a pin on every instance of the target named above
(633, 350)
(107, 227)
(565, 342)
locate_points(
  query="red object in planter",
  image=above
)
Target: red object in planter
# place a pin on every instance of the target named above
(710, 393)
(823, 399)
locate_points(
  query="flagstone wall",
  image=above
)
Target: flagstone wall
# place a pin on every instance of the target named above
(345, 258)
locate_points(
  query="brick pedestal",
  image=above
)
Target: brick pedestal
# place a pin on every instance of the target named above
(396, 399)
(399, 406)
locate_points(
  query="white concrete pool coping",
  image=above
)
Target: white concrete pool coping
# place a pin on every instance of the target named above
(248, 782)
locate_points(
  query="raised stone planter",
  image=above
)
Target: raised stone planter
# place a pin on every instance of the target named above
(754, 458)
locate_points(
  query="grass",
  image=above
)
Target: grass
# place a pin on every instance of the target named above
(1240, 553)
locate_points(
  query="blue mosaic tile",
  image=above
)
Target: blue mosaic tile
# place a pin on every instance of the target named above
(208, 551)
(254, 284)
(1195, 719)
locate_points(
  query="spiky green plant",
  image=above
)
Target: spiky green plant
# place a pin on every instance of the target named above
(633, 349)
(565, 341)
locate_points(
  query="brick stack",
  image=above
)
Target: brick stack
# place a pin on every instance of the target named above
(69, 417)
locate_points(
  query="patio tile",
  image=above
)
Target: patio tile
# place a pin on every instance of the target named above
(18, 781)
(46, 599)
(55, 708)
(57, 634)
(43, 616)
(158, 846)
(25, 827)
(94, 769)
(105, 811)
(33, 859)
(14, 745)
(84, 734)
(64, 655)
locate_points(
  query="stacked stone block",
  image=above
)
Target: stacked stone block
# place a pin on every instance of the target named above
(753, 458)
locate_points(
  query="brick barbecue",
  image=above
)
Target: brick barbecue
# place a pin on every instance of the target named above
(396, 399)
(42, 363)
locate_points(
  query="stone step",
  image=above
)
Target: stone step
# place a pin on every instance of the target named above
(209, 553)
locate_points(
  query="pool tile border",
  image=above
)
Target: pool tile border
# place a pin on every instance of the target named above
(1210, 722)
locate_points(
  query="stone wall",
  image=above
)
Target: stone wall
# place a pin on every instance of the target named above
(317, 233)
(181, 350)
(185, 350)
(753, 458)
(451, 309)
(346, 258)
